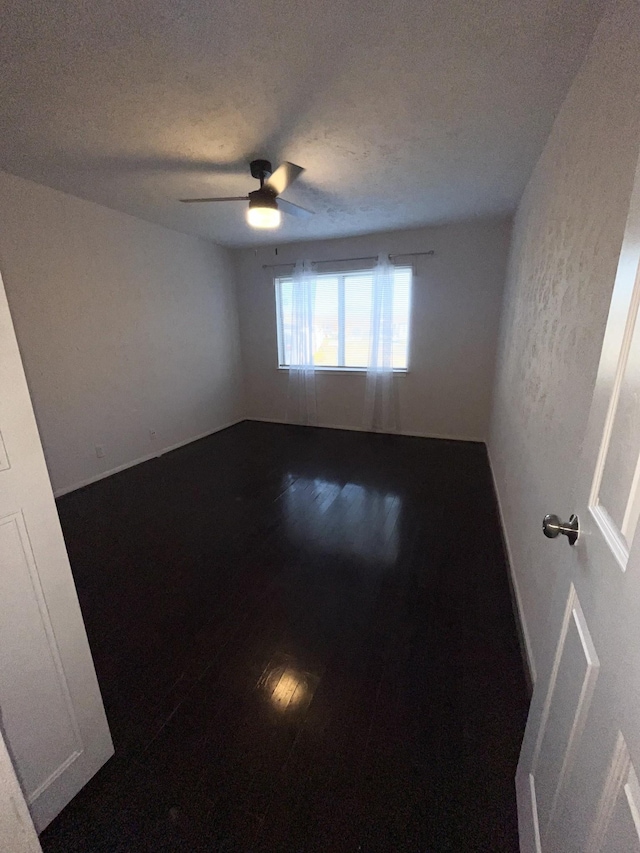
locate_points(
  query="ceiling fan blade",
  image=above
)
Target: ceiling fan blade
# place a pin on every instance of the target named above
(224, 198)
(294, 209)
(283, 177)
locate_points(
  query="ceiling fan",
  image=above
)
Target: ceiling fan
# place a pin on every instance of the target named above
(265, 206)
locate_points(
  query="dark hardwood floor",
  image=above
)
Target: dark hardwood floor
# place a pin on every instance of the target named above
(305, 642)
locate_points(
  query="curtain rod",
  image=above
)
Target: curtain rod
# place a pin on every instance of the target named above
(351, 260)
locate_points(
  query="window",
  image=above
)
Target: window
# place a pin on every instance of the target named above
(342, 319)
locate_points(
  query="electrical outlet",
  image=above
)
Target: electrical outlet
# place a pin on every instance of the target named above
(152, 434)
(100, 451)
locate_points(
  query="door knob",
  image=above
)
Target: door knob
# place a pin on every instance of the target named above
(552, 527)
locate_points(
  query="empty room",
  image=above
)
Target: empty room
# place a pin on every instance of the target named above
(320, 426)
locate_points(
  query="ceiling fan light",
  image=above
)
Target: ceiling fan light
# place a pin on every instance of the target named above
(263, 209)
(264, 217)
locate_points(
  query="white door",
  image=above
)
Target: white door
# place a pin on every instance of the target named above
(577, 780)
(51, 710)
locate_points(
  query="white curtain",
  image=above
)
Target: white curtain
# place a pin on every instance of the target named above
(380, 405)
(302, 407)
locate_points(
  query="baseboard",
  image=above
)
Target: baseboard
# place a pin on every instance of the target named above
(474, 439)
(518, 609)
(156, 455)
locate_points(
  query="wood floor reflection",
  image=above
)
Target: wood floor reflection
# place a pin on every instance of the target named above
(305, 642)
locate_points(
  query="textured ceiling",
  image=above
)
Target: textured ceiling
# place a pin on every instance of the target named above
(403, 112)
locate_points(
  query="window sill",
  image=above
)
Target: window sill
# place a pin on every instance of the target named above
(357, 371)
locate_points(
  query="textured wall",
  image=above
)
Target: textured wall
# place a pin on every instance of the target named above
(456, 309)
(124, 327)
(16, 829)
(567, 237)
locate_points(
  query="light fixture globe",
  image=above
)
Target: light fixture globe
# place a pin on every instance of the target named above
(263, 210)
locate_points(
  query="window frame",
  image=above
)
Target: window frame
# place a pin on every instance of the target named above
(340, 275)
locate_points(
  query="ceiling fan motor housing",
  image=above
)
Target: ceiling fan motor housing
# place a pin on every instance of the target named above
(263, 197)
(261, 169)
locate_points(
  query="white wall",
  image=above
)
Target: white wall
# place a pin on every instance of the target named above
(456, 307)
(567, 237)
(123, 326)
